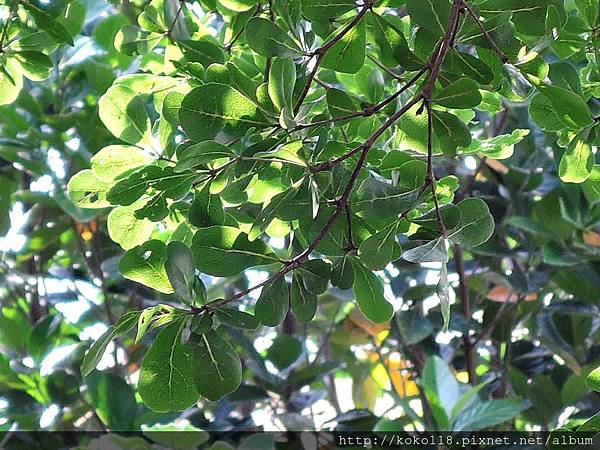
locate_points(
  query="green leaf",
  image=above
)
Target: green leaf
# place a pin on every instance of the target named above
(591, 186)
(392, 44)
(592, 424)
(237, 319)
(482, 415)
(284, 351)
(144, 321)
(267, 39)
(181, 436)
(325, 9)
(63, 387)
(226, 251)
(53, 27)
(543, 114)
(342, 274)
(11, 82)
(43, 336)
(465, 64)
(282, 78)
(303, 302)
(238, 5)
(593, 380)
(290, 151)
(476, 223)
(125, 323)
(441, 389)
(202, 51)
(348, 54)
(315, 275)
(577, 162)
(180, 270)
(34, 65)
(378, 250)
(273, 303)
(462, 94)
(590, 11)
(5, 205)
(145, 264)
(206, 209)
(443, 294)
(433, 15)
(87, 191)
(376, 199)
(124, 113)
(368, 290)
(266, 216)
(213, 107)
(131, 40)
(433, 251)
(167, 377)
(216, 366)
(450, 215)
(413, 325)
(201, 324)
(173, 185)
(199, 154)
(125, 229)
(113, 399)
(339, 103)
(498, 147)
(450, 132)
(114, 160)
(570, 108)
(468, 398)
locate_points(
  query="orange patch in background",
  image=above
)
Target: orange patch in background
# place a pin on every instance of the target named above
(592, 238)
(503, 294)
(87, 230)
(401, 379)
(357, 319)
(497, 166)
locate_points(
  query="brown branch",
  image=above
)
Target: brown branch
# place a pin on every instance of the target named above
(341, 203)
(430, 177)
(351, 245)
(321, 51)
(369, 110)
(331, 163)
(469, 348)
(386, 69)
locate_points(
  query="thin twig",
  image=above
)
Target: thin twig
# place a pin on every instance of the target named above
(13, 7)
(430, 178)
(351, 245)
(468, 346)
(170, 30)
(321, 51)
(505, 59)
(425, 94)
(368, 111)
